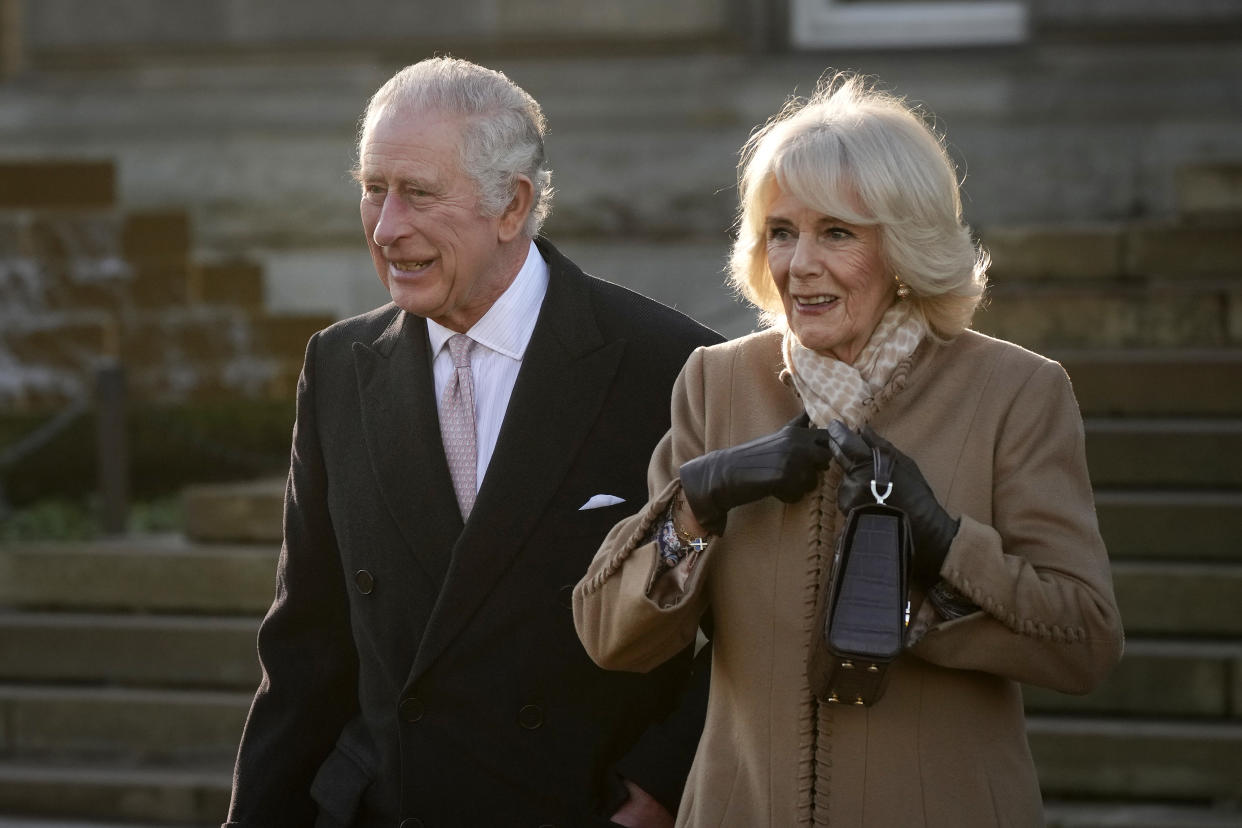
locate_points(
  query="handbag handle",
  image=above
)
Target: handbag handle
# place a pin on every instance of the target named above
(881, 475)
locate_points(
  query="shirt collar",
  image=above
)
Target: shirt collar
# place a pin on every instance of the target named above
(507, 326)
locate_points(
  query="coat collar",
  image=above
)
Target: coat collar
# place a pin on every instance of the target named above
(399, 420)
(565, 377)
(567, 371)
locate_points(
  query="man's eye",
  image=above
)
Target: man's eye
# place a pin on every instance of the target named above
(373, 192)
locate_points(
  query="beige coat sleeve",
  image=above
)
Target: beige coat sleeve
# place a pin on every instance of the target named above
(620, 626)
(1038, 567)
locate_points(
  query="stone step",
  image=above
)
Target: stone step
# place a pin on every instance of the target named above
(1075, 757)
(1186, 599)
(1133, 815)
(7, 821)
(1082, 253)
(138, 794)
(249, 512)
(1209, 191)
(1174, 525)
(150, 650)
(1157, 677)
(157, 573)
(122, 724)
(1156, 313)
(1077, 252)
(1103, 758)
(1156, 599)
(1178, 452)
(1155, 382)
(1175, 677)
(1176, 250)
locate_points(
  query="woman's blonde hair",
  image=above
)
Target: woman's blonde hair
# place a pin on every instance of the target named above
(862, 155)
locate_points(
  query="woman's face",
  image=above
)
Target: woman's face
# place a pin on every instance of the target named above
(830, 275)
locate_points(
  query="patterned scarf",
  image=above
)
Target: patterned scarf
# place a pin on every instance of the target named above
(832, 390)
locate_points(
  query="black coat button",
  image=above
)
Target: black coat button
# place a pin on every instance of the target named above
(412, 709)
(364, 581)
(531, 717)
(412, 822)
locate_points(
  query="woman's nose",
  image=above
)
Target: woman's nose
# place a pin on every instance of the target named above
(804, 262)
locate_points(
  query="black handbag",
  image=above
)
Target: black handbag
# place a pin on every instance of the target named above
(863, 607)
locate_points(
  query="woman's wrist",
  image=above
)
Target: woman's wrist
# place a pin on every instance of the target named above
(685, 522)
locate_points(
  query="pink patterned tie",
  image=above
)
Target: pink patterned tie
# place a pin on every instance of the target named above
(457, 423)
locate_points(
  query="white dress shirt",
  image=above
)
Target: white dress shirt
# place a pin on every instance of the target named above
(502, 336)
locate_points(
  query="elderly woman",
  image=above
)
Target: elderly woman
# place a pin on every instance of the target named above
(852, 244)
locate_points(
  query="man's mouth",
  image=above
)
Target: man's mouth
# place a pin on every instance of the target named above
(409, 266)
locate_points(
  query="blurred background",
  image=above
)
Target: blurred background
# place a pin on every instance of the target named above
(177, 217)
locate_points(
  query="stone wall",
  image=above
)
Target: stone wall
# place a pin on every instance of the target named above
(10, 38)
(85, 283)
(61, 28)
(1131, 14)
(68, 25)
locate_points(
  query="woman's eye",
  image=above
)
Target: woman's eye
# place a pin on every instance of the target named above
(838, 233)
(778, 234)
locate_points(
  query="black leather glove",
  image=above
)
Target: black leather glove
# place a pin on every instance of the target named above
(930, 525)
(785, 464)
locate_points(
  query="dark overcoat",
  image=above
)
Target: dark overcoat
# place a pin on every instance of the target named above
(418, 672)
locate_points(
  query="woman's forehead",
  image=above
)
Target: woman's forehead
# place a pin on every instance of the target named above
(836, 199)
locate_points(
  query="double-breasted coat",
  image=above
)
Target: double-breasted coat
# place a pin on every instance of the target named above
(422, 672)
(996, 432)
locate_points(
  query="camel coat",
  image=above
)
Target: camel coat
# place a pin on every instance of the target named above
(997, 433)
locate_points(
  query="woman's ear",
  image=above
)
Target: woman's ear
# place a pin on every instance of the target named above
(513, 219)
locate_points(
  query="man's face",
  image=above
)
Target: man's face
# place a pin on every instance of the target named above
(433, 250)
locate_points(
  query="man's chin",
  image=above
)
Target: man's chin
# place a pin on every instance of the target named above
(417, 305)
(415, 296)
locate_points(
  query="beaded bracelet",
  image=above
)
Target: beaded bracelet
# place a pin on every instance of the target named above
(675, 543)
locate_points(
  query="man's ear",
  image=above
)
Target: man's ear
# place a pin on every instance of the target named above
(513, 219)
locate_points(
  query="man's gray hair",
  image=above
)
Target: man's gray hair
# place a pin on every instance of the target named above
(503, 135)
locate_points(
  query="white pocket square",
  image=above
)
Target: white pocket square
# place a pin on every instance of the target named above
(599, 501)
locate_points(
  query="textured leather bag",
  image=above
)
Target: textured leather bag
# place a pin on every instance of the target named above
(863, 607)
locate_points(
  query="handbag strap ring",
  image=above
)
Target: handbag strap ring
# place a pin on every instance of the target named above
(881, 473)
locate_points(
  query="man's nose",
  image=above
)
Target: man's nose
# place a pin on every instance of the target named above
(393, 223)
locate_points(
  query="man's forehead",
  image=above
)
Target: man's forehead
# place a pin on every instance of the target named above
(394, 118)
(411, 146)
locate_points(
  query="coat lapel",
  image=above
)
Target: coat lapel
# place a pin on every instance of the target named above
(566, 373)
(402, 433)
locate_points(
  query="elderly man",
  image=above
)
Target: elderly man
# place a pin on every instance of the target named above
(458, 456)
